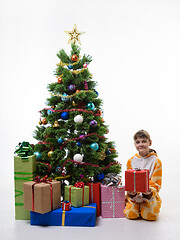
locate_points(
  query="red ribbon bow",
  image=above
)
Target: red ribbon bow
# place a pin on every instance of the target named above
(45, 179)
(79, 184)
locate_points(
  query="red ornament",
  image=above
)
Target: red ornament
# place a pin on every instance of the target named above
(44, 121)
(60, 80)
(77, 91)
(85, 65)
(74, 58)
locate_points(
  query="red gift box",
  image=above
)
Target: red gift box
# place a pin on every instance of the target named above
(66, 206)
(137, 180)
(95, 196)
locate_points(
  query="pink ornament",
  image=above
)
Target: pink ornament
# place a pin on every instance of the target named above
(85, 65)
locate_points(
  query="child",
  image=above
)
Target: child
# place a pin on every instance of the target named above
(146, 205)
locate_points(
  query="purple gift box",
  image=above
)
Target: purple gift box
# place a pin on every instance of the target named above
(112, 201)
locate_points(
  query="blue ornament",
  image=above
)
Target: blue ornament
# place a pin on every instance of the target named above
(94, 146)
(100, 176)
(60, 140)
(97, 93)
(70, 66)
(65, 115)
(90, 106)
(64, 98)
(38, 155)
(49, 111)
(78, 144)
(58, 169)
(108, 152)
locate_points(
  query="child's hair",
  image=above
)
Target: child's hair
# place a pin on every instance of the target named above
(143, 134)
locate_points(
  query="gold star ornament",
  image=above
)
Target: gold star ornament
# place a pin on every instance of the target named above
(74, 35)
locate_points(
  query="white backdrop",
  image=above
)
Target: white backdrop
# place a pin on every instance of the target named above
(135, 49)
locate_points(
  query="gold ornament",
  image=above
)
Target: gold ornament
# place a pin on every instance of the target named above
(74, 103)
(56, 124)
(40, 122)
(74, 35)
(50, 153)
(102, 155)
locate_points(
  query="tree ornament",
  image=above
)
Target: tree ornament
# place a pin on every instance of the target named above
(82, 137)
(50, 153)
(40, 122)
(108, 152)
(49, 111)
(56, 124)
(85, 65)
(85, 85)
(78, 119)
(60, 140)
(99, 112)
(100, 176)
(60, 80)
(70, 66)
(113, 150)
(74, 35)
(74, 58)
(71, 87)
(38, 155)
(74, 103)
(93, 123)
(102, 155)
(64, 98)
(44, 121)
(65, 115)
(78, 144)
(78, 158)
(97, 93)
(77, 91)
(90, 106)
(58, 169)
(94, 146)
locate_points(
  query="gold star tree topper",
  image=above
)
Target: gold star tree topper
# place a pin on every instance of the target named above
(74, 35)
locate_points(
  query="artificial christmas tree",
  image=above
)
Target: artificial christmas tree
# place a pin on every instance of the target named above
(71, 136)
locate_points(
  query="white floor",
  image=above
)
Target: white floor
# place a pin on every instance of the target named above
(167, 227)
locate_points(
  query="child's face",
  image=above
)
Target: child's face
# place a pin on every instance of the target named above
(142, 145)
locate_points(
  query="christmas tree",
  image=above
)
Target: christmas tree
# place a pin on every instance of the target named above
(71, 136)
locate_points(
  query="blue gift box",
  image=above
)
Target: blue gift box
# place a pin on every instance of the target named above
(82, 217)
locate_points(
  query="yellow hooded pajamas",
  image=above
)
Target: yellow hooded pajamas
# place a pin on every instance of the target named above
(148, 210)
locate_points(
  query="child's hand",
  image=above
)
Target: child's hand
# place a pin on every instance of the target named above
(132, 194)
(148, 194)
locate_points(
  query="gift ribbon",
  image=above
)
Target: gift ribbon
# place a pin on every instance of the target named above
(92, 192)
(37, 180)
(139, 169)
(18, 192)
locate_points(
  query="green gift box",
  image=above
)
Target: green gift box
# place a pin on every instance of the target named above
(75, 195)
(23, 172)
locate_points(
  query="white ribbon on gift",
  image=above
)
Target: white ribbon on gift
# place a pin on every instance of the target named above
(139, 169)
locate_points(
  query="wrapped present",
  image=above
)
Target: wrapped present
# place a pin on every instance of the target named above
(83, 217)
(24, 167)
(112, 201)
(95, 196)
(42, 195)
(137, 180)
(78, 195)
(66, 206)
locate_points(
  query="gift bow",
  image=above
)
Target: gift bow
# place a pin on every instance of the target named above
(112, 179)
(45, 179)
(24, 149)
(79, 185)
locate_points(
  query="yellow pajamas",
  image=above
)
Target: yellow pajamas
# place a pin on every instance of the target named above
(148, 210)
